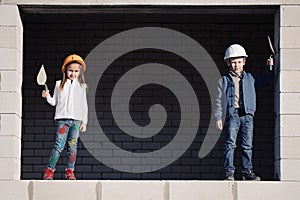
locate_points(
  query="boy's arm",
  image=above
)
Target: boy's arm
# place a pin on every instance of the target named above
(218, 111)
(219, 96)
(267, 78)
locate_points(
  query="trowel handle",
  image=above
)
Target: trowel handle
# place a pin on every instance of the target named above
(46, 87)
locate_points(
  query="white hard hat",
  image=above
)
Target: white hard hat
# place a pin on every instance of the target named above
(234, 51)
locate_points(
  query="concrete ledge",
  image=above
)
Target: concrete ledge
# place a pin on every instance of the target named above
(151, 2)
(152, 190)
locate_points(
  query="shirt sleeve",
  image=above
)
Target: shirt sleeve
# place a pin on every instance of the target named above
(53, 100)
(265, 79)
(218, 110)
(85, 105)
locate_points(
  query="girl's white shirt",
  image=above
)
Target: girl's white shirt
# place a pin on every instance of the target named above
(71, 102)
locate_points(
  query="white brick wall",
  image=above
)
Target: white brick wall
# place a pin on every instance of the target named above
(288, 163)
(288, 141)
(11, 45)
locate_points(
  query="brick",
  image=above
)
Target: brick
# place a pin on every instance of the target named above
(289, 81)
(289, 59)
(7, 84)
(289, 37)
(11, 147)
(11, 103)
(10, 169)
(288, 125)
(195, 190)
(11, 37)
(270, 190)
(9, 16)
(288, 102)
(289, 15)
(44, 190)
(10, 125)
(133, 190)
(14, 190)
(289, 147)
(12, 61)
(290, 169)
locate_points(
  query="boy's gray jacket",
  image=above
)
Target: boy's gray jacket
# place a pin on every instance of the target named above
(226, 92)
(71, 102)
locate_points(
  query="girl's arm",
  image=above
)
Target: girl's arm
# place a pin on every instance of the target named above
(85, 110)
(53, 100)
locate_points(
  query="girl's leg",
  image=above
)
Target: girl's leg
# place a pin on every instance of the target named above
(72, 144)
(62, 129)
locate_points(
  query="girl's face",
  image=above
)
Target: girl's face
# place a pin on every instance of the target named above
(237, 64)
(73, 71)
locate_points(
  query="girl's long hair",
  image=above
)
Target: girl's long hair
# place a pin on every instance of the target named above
(80, 77)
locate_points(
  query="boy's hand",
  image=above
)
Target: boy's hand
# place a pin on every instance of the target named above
(270, 61)
(219, 124)
(45, 93)
(83, 128)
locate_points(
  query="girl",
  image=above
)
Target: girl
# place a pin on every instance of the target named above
(71, 112)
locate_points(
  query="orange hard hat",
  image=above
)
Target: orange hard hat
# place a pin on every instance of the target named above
(73, 58)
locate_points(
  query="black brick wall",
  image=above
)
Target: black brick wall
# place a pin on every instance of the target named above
(48, 39)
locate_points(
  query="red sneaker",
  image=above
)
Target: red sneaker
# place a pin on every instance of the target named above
(69, 175)
(48, 174)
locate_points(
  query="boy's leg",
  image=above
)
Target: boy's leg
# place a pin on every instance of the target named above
(232, 129)
(247, 140)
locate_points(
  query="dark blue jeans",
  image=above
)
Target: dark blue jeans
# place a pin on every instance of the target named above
(234, 124)
(67, 130)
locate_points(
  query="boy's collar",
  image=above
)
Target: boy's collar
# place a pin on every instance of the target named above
(233, 73)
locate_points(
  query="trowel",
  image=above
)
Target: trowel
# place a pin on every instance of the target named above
(42, 78)
(273, 52)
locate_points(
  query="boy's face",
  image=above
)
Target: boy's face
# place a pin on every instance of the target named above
(236, 64)
(73, 71)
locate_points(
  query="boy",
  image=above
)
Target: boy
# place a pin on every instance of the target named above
(236, 93)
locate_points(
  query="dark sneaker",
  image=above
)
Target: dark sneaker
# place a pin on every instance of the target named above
(229, 176)
(69, 175)
(250, 176)
(48, 174)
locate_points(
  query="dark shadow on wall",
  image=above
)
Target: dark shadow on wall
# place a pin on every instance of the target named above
(49, 38)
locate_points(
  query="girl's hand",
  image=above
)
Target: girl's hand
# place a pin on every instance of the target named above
(45, 93)
(219, 124)
(83, 127)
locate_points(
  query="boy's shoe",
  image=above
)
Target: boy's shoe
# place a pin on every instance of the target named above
(250, 176)
(48, 174)
(69, 175)
(229, 176)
